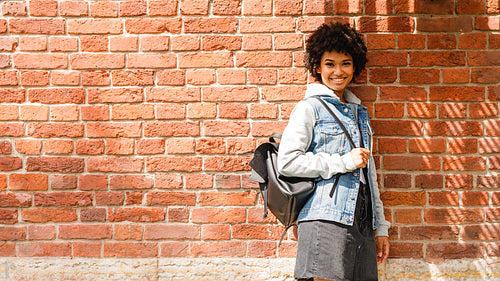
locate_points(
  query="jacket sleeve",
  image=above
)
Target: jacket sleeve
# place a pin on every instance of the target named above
(293, 158)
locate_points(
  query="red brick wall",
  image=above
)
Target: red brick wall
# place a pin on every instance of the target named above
(127, 126)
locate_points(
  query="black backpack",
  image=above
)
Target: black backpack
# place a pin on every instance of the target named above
(283, 196)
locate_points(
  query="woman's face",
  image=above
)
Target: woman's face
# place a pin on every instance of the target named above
(337, 70)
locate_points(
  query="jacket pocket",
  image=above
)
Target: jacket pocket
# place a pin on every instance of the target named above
(332, 137)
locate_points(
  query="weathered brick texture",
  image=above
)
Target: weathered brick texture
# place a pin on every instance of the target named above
(127, 126)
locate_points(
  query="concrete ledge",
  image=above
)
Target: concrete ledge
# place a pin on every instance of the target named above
(237, 269)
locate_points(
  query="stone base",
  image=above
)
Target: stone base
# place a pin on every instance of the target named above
(217, 269)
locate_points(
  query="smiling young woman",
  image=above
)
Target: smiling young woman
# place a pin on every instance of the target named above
(336, 238)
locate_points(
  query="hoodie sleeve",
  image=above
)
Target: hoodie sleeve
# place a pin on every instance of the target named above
(293, 158)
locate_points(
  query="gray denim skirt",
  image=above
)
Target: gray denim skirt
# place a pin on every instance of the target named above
(334, 251)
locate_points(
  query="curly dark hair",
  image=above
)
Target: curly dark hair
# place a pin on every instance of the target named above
(335, 37)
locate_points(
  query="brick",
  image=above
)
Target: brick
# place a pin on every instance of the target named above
(8, 44)
(454, 128)
(171, 111)
(34, 78)
(389, 110)
(12, 129)
(218, 249)
(55, 164)
(392, 145)
(95, 78)
(380, 41)
(211, 146)
(422, 110)
(457, 93)
(42, 232)
(395, 198)
(73, 8)
(97, 61)
(46, 130)
(180, 146)
(437, 58)
(440, 251)
(168, 181)
(43, 8)
(215, 198)
(94, 26)
(64, 113)
(9, 112)
(87, 249)
(63, 182)
(43, 215)
(132, 8)
(63, 199)
(255, 7)
(152, 43)
(459, 181)
(171, 128)
(453, 110)
(15, 199)
(443, 198)
(383, 75)
(441, 41)
(455, 75)
(262, 76)
(445, 24)
(171, 77)
(408, 216)
(151, 61)
(223, 7)
(226, 128)
(104, 9)
(115, 95)
(14, 8)
(433, 145)
(28, 146)
(492, 127)
(136, 214)
(474, 198)
(120, 182)
(397, 128)
(485, 75)
(174, 249)
(90, 147)
(386, 24)
(418, 163)
(44, 249)
(264, 59)
(267, 25)
(211, 25)
(454, 216)
(202, 60)
(199, 181)
(194, 7)
(257, 42)
(163, 8)
(240, 146)
(288, 7)
(133, 198)
(37, 26)
(5, 147)
(153, 25)
(63, 78)
(63, 44)
(128, 232)
(119, 164)
(430, 232)
(215, 232)
(419, 76)
(113, 130)
(487, 23)
(472, 41)
(221, 42)
(489, 145)
(57, 146)
(173, 94)
(463, 163)
(91, 232)
(36, 43)
(200, 76)
(462, 145)
(57, 95)
(150, 146)
(130, 249)
(132, 111)
(10, 163)
(8, 78)
(172, 232)
(186, 43)
(411, 41)
(109, 199)
(173, 163)
(483, 58)
(94, 43)
(8, 216)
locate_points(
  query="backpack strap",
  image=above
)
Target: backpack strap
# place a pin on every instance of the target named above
(337, 177)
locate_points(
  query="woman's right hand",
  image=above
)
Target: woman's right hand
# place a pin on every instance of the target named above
(360, 156)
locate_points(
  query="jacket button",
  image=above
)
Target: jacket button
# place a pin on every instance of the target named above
(346, 110)
(348, 220)
(352, 197)
(355, 174)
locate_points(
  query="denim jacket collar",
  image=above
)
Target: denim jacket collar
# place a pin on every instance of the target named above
(319, 89)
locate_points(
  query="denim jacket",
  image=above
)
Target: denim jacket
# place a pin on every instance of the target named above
(313, 145)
